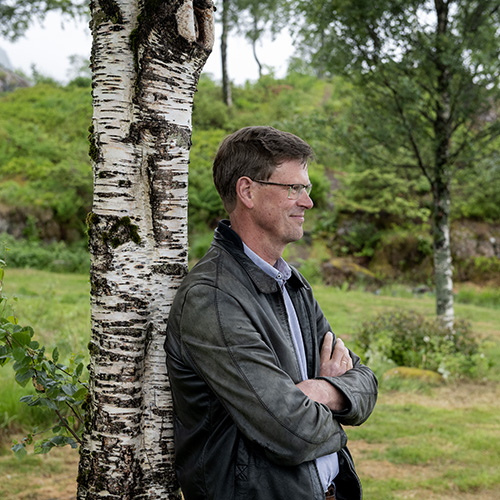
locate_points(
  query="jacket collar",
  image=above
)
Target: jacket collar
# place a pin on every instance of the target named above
(227, 238)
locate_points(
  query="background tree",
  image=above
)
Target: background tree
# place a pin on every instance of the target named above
(146, 60)
(253, 18)
(16, 16)
(226, 28)
(427, 82)
(250, 18)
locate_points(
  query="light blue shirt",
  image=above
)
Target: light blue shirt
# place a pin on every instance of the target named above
(328, 465)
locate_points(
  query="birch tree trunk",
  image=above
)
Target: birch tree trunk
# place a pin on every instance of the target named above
(255, 37)
(443, 269)
(226, 82)
(146, 59)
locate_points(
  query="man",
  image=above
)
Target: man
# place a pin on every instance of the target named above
(261, 387)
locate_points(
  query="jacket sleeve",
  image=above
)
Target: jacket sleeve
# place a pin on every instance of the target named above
(359, 385)
(220, 340)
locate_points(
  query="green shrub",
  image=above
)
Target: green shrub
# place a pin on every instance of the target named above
(57, 256)
(199, 245)
(401, 338)
(360, 238)
(205, 206)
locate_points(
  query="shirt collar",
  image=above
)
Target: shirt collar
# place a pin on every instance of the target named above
(281, 271)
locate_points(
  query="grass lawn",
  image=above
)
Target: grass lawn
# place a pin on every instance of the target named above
(427, 442)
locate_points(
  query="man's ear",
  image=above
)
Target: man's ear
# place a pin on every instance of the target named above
(244, 191)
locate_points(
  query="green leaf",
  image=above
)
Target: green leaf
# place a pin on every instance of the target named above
(48, 403)
(72, 443)
(5, 352)
(22, 338)
(79, 370)
(49, 367)
(80, 393)
(58, 440)
(19, 354)
(20, 450)
(22, 377)
(55, 355)
(27, 399)
(69, 389)
(12, 319)
(23, 364)
(42, 447)
(3, 333)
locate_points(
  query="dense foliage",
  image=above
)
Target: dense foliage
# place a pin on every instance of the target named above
(45, 173)
(46, 177)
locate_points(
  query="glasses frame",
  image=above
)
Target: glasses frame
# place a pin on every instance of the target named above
(299, 188)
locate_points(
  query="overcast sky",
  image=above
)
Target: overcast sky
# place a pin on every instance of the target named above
(50, 45)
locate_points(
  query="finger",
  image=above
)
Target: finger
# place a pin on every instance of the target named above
(326, 348)
(347, 362)
(339, 351)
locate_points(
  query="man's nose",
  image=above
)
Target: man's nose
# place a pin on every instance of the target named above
(305, 200)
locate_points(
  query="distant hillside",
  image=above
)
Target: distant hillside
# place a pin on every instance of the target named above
(8, 79)
(364, 218)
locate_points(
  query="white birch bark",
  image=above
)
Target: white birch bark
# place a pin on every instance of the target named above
(443, 270)
(146, 60)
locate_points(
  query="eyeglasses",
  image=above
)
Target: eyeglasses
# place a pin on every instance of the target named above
(294, 190)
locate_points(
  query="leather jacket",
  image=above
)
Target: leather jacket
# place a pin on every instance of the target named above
(243, 430)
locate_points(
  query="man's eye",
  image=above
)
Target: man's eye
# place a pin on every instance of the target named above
(296, 188)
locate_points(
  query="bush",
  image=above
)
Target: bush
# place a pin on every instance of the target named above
(401, 338)
(57, 256)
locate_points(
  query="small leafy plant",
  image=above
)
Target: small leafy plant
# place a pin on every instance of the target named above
(60, 387)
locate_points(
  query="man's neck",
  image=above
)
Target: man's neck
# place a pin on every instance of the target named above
(262, 248)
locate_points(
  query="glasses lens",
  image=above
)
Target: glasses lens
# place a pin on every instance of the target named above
(296, 190)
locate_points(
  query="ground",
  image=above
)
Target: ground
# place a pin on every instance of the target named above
(53, 476)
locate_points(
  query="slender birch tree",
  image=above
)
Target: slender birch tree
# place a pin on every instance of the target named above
(226, 82)
(427, 80)
(147, 56)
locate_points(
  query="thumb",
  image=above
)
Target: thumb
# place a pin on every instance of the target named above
(326, 348)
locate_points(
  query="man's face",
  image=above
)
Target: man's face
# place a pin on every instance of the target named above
(279, 218)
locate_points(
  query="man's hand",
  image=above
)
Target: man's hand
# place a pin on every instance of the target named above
(336, 363)
(332, 364)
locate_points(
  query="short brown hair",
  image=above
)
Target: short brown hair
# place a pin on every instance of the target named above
(254, 152)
